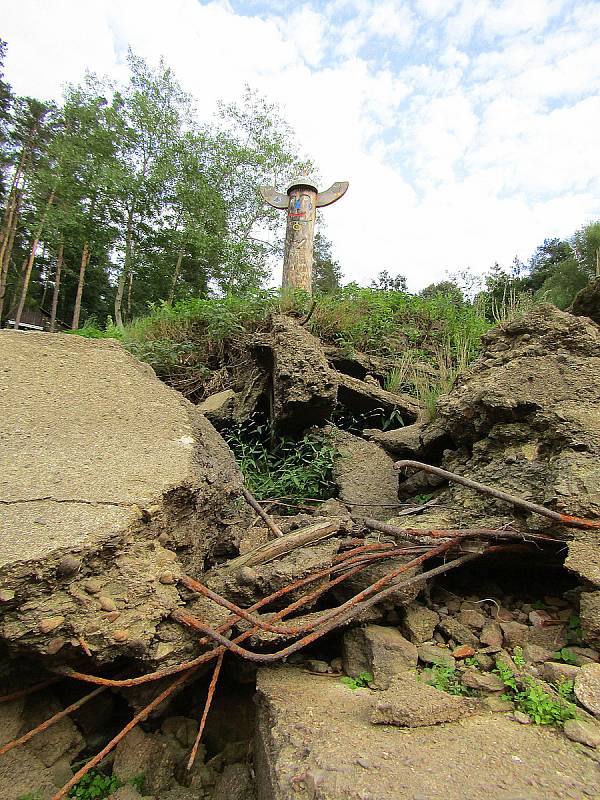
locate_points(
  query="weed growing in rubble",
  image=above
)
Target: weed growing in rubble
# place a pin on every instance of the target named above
(447, 680)
(565, 656)
(531, 699)
(95, 786)
(360, 682)
(286, 469)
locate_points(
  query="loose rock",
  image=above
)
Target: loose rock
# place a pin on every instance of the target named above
(587, 687)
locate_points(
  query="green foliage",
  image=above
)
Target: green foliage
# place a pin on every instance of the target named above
(30, 796)
(574, 631)
(539, 605)
(535, 702)
(95, 786)
(447, 680)
(518, 656)
(360, 682)
(565, 656)
(282, 468)
(377, 320)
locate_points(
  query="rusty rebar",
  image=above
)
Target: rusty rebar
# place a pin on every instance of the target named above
(261, 513)
(51, 721)
(564, 519)
(322, 630)
(6, 698)
(457, 533)
(241, 613)
(141, 715)
(205, 657)
(207, 705)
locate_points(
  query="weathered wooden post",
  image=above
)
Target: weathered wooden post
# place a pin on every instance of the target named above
(301, 201)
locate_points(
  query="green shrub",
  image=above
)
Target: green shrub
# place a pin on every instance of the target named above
(446, 679)
(360, 682)
(288, 469)
(532, 700)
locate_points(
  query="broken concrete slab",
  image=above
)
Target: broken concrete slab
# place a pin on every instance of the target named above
(525, 419)
(365, 477)
(304, 386)
(410, 703)
(367, 397)
(102, 506)
(315, 738)
(423, 441)
(587, 301)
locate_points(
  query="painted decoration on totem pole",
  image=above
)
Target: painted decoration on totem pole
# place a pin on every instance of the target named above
(301, 202)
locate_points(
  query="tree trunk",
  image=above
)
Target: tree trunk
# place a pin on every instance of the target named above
(55, 294)
(30, 261)
(175, 275)
(85, 258)
(123, 275)
(129, 294)
(6, 253)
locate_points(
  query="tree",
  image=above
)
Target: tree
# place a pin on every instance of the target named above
(388, 283)
(327, 273)
(446, 289)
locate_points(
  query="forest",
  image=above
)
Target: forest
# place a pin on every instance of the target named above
(117, 202)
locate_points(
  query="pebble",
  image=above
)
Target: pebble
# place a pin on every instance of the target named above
(107, 603)
(111, 616)
(522, 718)
(579, 730)
(539, 618)
(120, 635)
(474, 619)
(68, 566)
(314, 665)
(464, 651)
(246, 576)
(167, 578)
(50, 624)
(92, 586)
(54, 645)
(430, 654)
(163, 538)
(6, 595)
(362, 762)
(485, 681)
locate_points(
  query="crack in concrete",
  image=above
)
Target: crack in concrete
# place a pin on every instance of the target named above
(67, 500)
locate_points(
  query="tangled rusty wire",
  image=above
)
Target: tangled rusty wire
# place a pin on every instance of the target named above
(464, 544)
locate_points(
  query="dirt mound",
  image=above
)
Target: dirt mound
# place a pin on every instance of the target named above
(112, 484)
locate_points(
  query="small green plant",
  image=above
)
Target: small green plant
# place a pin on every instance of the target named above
(565, 656)
(539, 605)
(565, 690)
(470, 661)
(531, 699)
(360, 682)
(446, 680)
(574, 632)
(518, 656)
(95, 785)
(30, 796)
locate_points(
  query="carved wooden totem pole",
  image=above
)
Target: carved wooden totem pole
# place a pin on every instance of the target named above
(301, 201)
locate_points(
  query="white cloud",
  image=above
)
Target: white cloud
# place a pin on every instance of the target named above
(467, 128)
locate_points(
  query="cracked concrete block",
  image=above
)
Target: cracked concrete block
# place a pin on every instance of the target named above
(103, 465)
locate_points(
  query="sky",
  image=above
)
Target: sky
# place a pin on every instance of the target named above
(469, 130)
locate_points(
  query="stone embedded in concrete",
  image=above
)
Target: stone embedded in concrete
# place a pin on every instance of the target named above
(582, 731)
